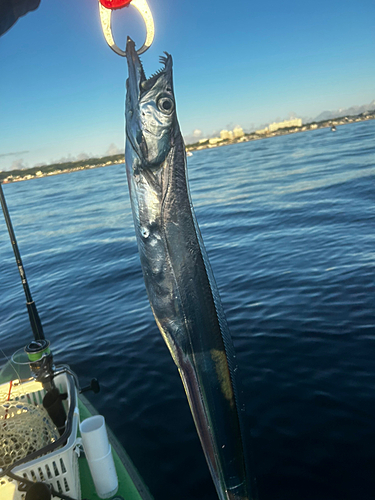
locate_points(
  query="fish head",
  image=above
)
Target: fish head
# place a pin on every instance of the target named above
(150, 112)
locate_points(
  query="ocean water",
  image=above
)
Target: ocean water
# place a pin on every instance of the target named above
(289, 226)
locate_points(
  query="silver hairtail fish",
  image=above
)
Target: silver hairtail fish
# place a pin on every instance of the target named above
(178, 277)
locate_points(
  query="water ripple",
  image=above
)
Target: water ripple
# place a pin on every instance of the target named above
(288, 223)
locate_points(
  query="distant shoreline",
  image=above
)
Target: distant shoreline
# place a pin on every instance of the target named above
(64, 168)
(58, 168)
(256, 136)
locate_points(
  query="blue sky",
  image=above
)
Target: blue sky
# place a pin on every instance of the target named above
(235, 63)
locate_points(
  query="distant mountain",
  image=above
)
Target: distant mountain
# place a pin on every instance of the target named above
(353, 110)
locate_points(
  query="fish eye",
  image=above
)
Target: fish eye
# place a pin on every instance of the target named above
(166, 105)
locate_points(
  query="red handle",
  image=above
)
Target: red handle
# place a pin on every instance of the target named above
(115, 4)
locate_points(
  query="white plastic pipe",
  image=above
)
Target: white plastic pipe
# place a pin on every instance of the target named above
(104, 475)
(94, 437)
(99, 455)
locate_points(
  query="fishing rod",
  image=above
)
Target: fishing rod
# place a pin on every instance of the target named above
(38, 351)
(36, 324)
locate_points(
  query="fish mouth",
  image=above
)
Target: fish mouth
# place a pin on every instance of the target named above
(138, 83)
(137, 86)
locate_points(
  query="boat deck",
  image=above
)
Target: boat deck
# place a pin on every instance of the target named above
(131, 486)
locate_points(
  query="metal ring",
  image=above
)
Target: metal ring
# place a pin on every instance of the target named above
(144, 10)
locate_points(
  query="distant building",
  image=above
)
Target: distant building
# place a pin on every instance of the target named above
(238, 131)
(215, 140)
(202, 140)
(226, 134)
(262, 131)
(296, 122)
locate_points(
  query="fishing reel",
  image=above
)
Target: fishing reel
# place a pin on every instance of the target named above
(41, 362)
(43, 370)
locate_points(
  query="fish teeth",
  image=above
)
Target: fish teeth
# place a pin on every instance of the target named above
(142, 69)
(157, 73)
(164, 59)
(148, 82)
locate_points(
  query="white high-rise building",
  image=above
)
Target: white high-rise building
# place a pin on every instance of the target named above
(238, 131)
(226, 134)
(295, 122)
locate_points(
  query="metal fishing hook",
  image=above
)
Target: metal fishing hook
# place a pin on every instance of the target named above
(144, 10)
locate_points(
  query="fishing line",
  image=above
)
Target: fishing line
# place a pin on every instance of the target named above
(9, 360)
